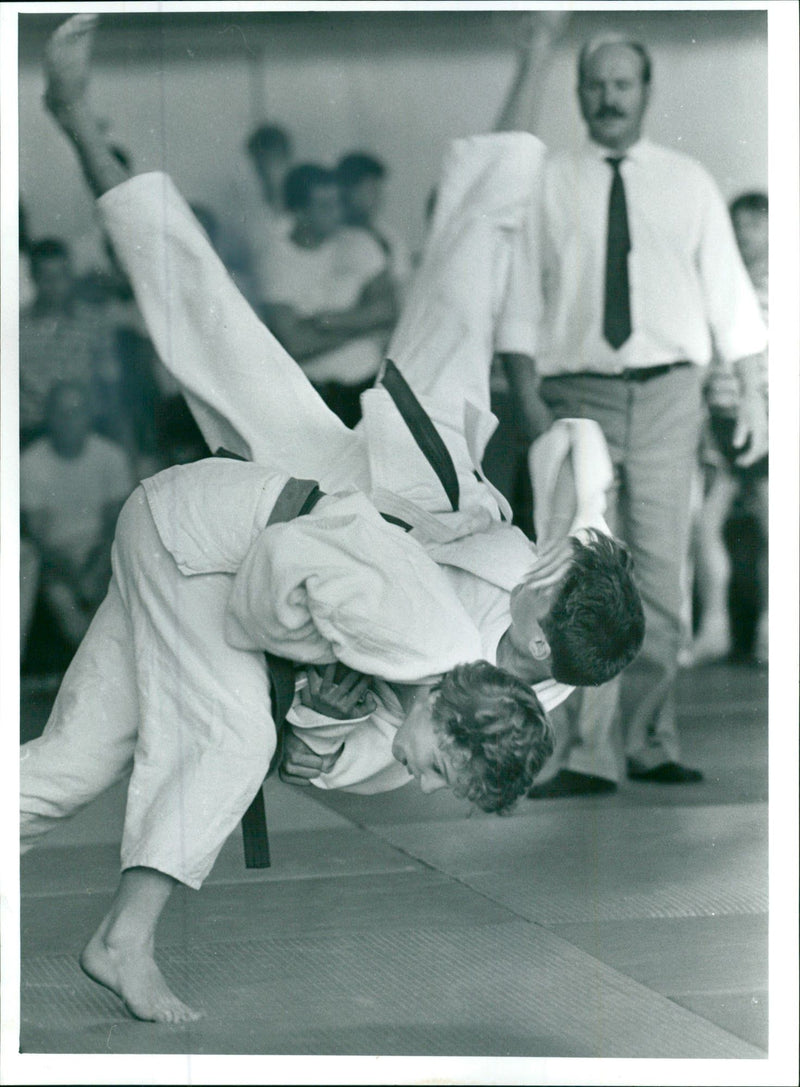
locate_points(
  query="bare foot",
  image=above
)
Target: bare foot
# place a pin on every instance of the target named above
(131, 973)
(66, 62)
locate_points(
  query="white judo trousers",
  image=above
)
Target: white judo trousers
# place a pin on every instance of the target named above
(143, 683)
(150, 691)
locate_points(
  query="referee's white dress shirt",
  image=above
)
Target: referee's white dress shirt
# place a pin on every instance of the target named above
(687, 280)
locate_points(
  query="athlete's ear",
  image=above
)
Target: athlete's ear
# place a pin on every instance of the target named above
(538, 644)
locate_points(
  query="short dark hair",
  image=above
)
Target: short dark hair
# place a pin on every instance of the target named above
(269, 140)
(63, 388)
(750, 201)
(595, 626)
(496, 729)
(355, 166)
(47, 249)
(591, 47)
(301, 180)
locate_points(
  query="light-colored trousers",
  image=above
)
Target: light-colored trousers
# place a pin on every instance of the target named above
(153, 688)
(652, 431)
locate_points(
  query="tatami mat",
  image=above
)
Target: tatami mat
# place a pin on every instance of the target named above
(716, 966)
(605, 864)
(220, 912)
(493, 990)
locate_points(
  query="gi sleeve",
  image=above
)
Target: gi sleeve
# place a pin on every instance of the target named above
(584, 442)
(341, 584)
(520, 314)
(366, 764)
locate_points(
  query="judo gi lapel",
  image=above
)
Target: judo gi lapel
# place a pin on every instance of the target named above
(422, 430)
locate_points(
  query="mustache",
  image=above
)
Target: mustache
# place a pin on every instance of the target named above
(608, 111)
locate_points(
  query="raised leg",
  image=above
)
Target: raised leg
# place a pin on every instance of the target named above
(67, 71)
(247, 394)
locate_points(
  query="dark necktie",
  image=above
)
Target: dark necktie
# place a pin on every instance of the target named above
(617, 303)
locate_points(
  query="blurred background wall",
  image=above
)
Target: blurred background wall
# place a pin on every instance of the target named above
(183, 90)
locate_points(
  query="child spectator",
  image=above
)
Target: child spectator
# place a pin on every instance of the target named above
(733, 491)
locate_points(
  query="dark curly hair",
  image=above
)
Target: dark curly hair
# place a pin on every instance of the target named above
(496, 732)
(595, 626)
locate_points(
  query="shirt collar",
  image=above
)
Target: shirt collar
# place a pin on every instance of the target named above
(636, 151)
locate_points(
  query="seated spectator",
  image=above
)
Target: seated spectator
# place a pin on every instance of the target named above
(734, 491)
(361, 180)
(63, 338)
(72, 486)
(331, 300)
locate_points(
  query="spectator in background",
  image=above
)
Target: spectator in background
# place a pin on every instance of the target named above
(331, 299)
(63, 338)
(750, 218)
(734, 490)
(361, 180)
(270, 151)
(269, 148)
(72, 486)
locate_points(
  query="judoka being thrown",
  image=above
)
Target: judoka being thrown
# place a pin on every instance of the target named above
(384, 549)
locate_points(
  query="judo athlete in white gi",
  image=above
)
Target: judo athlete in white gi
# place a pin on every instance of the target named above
(151, 641)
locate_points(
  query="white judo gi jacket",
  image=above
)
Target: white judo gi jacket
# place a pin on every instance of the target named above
(337, 584)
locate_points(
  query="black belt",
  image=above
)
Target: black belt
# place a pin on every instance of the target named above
(298, 497)
(637, 373)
